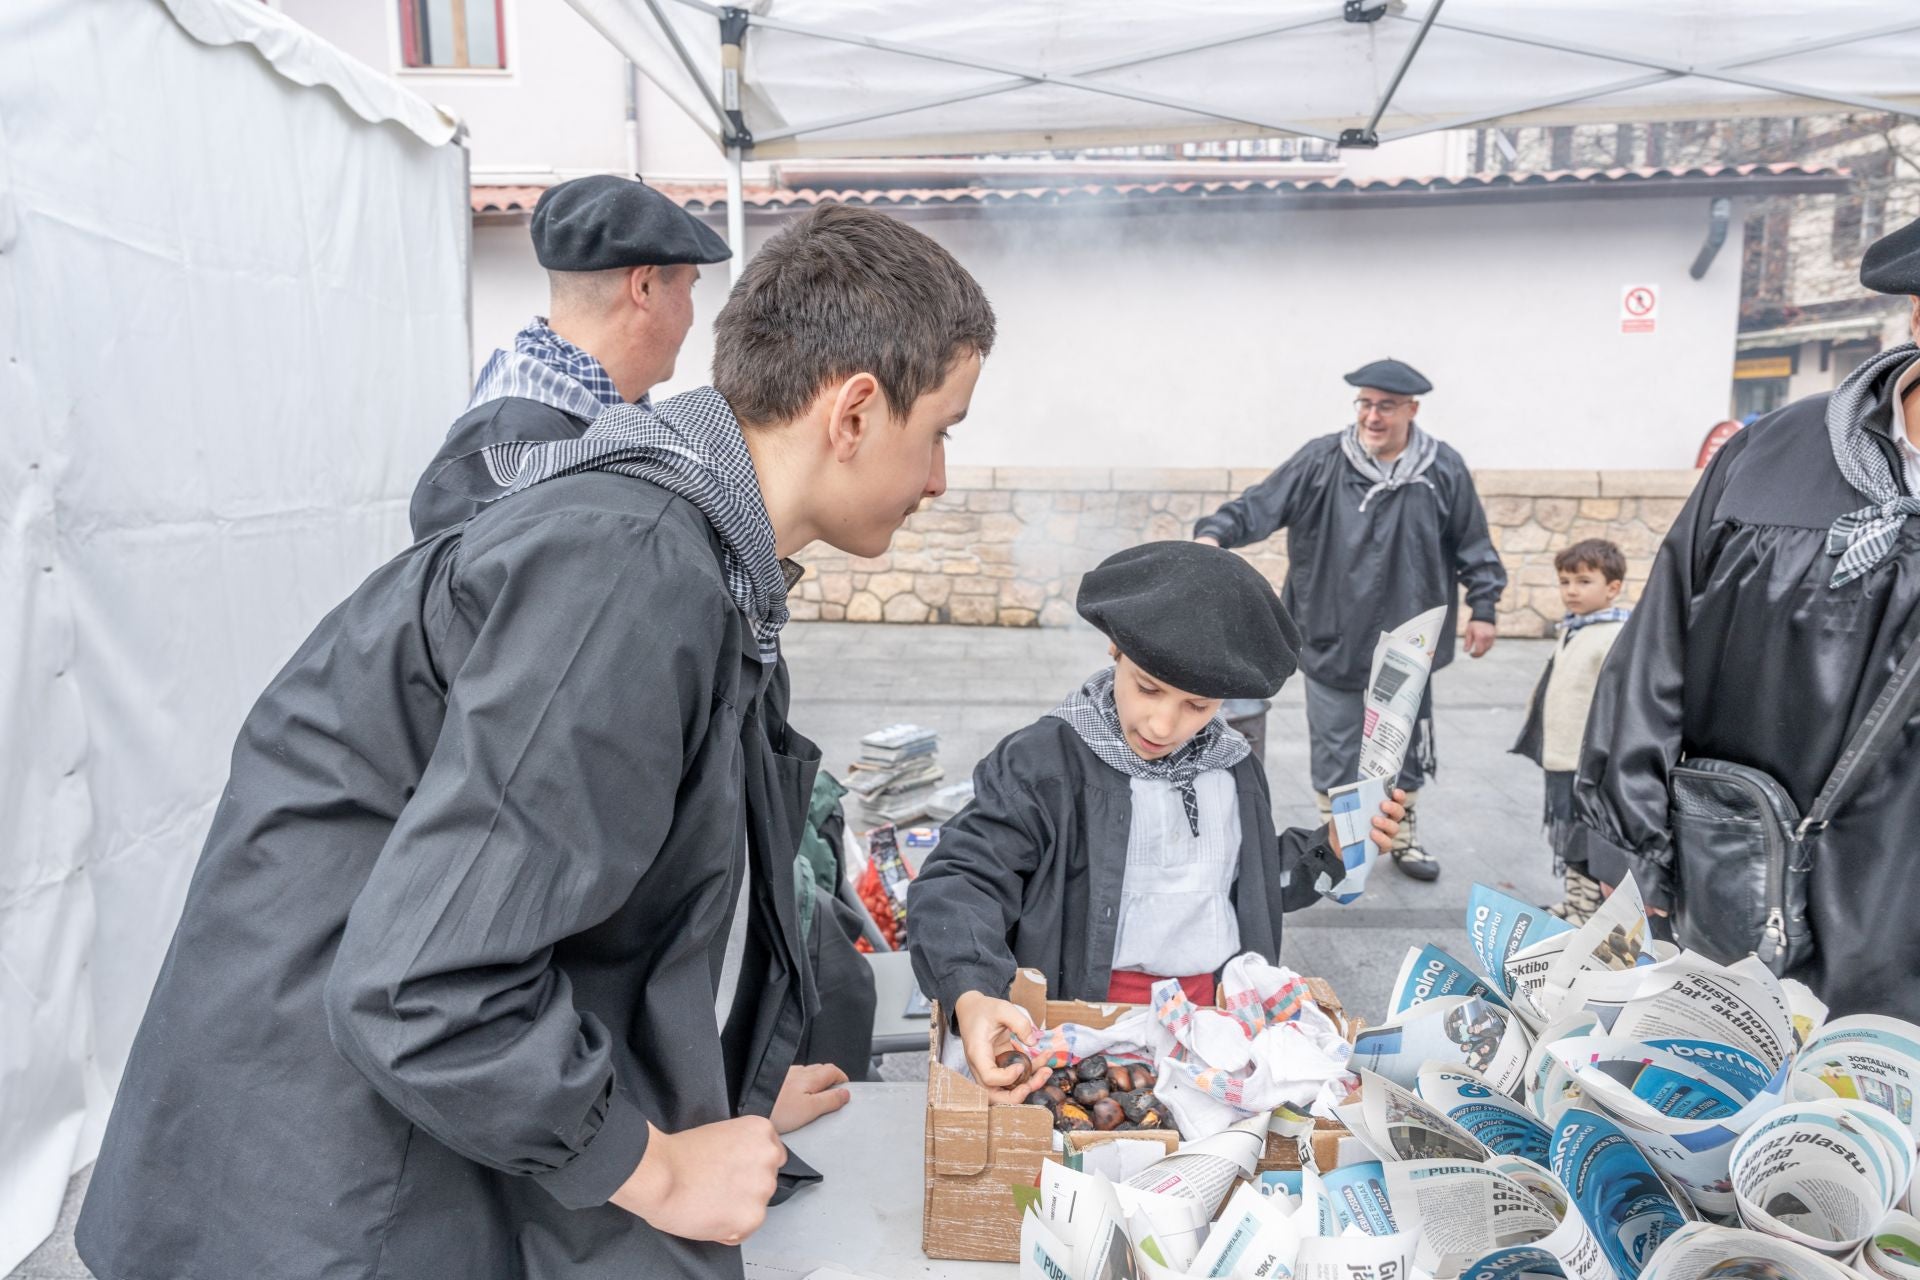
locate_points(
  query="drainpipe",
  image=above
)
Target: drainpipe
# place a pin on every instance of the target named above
(1719, 214)
(733, 32)
(633, 119)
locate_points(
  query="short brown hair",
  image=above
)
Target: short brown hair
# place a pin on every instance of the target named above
(841, 291)
(1594, 553)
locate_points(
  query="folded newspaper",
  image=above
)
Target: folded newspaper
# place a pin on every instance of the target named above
(1402, 661)
(1581, 1103)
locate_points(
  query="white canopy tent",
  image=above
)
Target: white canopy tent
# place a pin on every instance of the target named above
(233, 327)
(795, 78)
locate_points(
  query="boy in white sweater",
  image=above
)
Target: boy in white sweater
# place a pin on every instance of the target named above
(1591, 576)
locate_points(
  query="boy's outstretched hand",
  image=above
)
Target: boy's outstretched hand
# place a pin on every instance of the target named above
(1386, 823)
(990, 1028)
(809, 1093)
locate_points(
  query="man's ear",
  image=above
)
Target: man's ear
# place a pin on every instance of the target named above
(1413, 409)
(855, 411)
(641, 282)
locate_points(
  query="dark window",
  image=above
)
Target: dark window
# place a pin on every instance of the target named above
(456, 34)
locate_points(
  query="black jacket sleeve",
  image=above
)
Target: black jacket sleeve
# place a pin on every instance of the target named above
(966, 899)
(1474, 559)
(1634, 727)
(1261, 511)
(549, 793)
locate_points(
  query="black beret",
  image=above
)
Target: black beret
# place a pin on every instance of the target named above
(1892, 263)
(604, 223)
(1200, 618)
(1390, 375)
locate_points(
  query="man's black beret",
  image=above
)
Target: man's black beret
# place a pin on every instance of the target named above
(1892, 263)
(603, 223)
(1200, 618)
(1391, 375)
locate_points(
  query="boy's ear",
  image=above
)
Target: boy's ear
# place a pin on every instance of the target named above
(1614, 589)
(855, 409)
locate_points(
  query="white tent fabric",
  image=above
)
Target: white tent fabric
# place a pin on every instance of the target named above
(929, 77)
(233, 327)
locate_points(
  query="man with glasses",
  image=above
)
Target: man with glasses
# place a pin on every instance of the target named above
(1383, 524)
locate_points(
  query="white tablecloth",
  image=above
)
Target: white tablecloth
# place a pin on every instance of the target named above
(865, 1215)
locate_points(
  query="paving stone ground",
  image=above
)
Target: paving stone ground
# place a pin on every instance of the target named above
(1481, 816)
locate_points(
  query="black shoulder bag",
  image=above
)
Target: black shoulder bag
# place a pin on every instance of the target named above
(1742, 852)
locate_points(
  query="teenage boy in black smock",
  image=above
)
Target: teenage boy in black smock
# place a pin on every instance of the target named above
(490, 966)
(1126, 836)
(1383, 523)
(1780, 603)
(621, 262)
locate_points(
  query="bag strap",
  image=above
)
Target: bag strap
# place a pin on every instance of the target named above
(1871, 741)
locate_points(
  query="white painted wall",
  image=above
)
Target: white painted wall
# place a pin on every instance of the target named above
(1207, 339)
(558, 111)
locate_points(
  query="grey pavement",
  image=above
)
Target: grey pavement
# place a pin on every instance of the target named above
(1481, 816)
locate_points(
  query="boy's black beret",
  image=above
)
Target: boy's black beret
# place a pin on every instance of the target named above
(1199, 618)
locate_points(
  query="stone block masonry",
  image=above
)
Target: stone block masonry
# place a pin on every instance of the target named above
(1005, 546)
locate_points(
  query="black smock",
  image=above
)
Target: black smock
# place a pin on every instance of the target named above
(1029, 874)
(1352, 574)
(495, 422)
(455, 936)
(1739, 650)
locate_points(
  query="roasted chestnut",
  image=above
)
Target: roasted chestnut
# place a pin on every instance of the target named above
(1119, 1078)
(1150, 1119)
(1143, 1078)
(1135, 1104)
(1073, 1116)
(1094, 1068)
(1048, 1094)
(1088, 1092)
(1106, 1114)
(1013, 1058)
(1063, 1079)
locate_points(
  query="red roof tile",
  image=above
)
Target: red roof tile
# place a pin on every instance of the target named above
(712, 197)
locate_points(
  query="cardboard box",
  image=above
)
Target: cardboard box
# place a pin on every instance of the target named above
(977, 1152)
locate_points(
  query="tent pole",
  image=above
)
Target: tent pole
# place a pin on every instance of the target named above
(1368, 137)
(736, 218)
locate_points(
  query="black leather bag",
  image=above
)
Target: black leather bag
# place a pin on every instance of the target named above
(1743, 854)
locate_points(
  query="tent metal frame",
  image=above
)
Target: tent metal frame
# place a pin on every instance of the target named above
(734, 23)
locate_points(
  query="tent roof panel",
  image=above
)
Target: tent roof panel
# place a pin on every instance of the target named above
(907, 77)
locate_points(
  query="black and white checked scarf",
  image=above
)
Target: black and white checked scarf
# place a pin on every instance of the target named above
(1409, 468)
(1574, 621)
(546, 367)
(690, 446)
(1091, 713)
(1862, 538)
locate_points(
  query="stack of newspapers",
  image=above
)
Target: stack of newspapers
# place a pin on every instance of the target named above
(897, 773)
(1586, 1103)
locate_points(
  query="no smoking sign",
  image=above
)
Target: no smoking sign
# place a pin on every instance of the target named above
(1639, 308)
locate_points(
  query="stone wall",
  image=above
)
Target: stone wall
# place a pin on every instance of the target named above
(1005, 546)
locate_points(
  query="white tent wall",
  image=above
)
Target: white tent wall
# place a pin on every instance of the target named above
(1202, 338)
(233, 327)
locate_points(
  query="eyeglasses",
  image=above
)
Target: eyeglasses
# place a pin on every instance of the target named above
(1365, 405)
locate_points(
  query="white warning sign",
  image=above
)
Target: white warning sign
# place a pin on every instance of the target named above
(1639, 308)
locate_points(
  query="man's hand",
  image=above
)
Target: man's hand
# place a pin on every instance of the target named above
(1386, 823)
(1207, 538)
(989, 1029)
(1479, 639)
(808, 1094)
(708, 1183)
